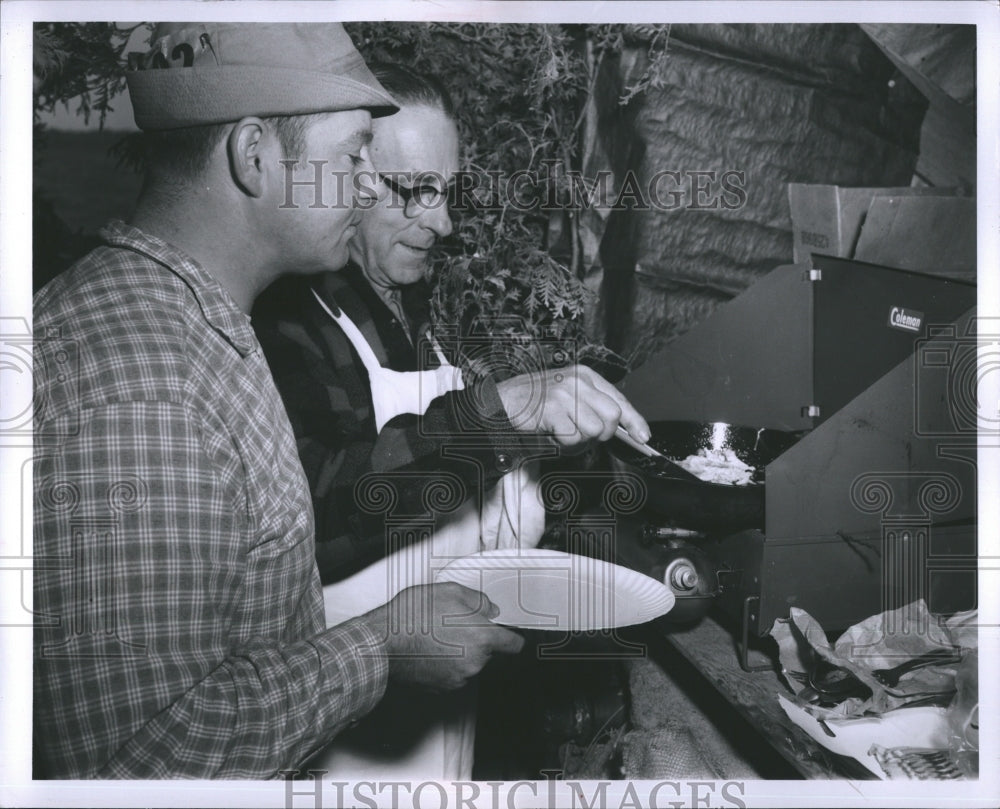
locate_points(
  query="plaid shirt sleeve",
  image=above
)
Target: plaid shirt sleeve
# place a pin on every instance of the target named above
(168, 692)
(325, 390)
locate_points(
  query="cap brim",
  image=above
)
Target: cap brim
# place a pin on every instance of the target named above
(183, 97)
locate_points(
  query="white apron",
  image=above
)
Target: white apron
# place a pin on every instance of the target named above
(438, 743)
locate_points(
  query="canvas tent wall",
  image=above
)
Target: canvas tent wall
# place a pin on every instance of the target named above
(770, 105)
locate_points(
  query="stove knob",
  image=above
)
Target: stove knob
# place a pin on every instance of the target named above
(681, 576)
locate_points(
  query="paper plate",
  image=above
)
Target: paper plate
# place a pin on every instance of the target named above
(543, 589)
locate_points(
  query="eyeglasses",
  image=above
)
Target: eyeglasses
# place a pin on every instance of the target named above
(415, 199)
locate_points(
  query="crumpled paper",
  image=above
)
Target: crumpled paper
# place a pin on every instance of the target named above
(855, 737)
(882, 641)
(872, 730)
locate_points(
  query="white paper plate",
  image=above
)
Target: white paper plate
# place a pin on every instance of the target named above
(544, 589)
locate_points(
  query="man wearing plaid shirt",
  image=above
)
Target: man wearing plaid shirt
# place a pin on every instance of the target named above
(179, 617)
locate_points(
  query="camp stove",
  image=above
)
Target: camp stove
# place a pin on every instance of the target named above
(874, 505)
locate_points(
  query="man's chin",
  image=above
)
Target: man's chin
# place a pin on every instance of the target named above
(337, 262)
(406, 273)
(318, 268)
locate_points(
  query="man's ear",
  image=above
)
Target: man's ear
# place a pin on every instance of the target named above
(245, 149)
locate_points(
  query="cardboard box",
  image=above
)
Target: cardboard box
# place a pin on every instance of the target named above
(827, 219)
(932, 235)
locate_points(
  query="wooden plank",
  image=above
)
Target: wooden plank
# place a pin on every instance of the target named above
(711, 649)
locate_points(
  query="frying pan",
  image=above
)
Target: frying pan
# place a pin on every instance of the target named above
(696, 504)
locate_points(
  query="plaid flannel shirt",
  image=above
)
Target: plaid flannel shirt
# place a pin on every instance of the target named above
(326, 392)
(179, 618)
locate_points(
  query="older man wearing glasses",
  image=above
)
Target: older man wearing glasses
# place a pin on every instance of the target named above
(377, 403)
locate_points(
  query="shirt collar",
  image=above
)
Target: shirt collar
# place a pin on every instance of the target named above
(217, 305)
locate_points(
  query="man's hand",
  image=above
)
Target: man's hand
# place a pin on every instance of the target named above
(439, 635)
(573, 405)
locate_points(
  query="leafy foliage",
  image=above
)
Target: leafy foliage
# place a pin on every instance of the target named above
(520, 93)
(81, 62)
(510, 273)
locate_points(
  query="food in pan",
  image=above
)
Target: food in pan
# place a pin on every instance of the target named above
(708, 465)
(718, 466)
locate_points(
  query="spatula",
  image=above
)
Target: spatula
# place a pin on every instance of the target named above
(665, 465)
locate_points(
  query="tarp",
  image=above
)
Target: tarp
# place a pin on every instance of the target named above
(759, 106)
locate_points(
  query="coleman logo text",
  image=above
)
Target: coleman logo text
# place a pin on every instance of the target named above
(906, 319)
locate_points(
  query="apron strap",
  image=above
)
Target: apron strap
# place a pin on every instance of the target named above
(442, 359)
(353, 334)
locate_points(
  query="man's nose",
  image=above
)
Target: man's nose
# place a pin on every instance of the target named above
(437, 218)
(369, 185)
(369, 190)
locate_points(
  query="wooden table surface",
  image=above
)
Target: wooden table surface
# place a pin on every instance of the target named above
(711, 649)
